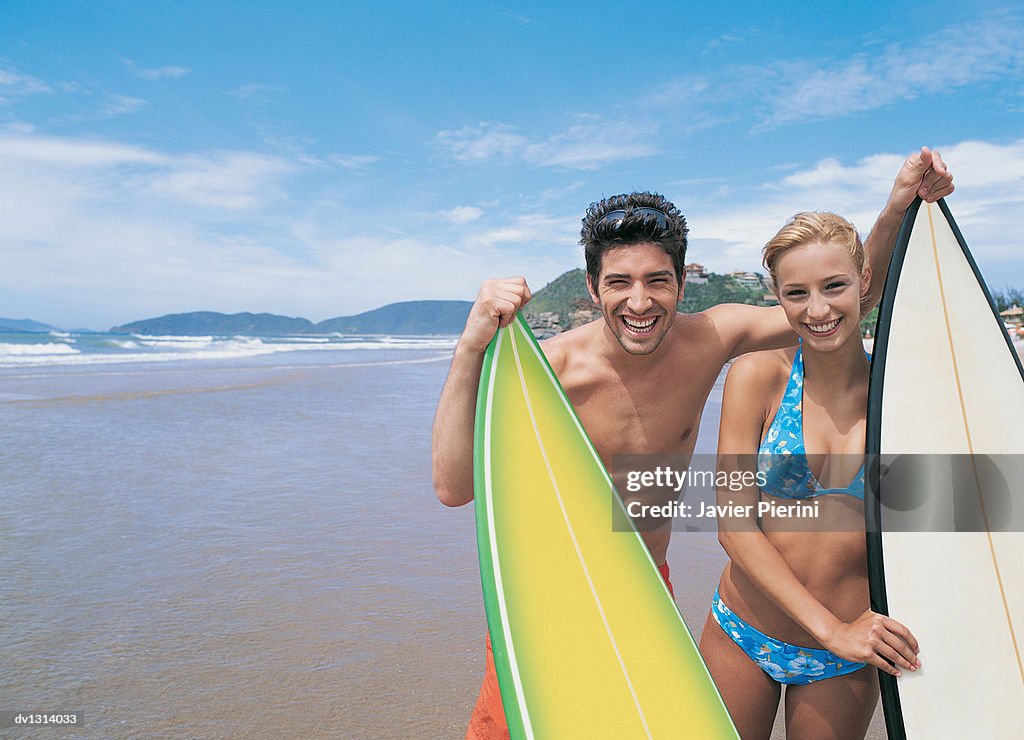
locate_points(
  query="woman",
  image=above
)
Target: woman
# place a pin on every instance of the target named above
(792, 605)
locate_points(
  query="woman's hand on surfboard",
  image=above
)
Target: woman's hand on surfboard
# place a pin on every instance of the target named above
(876, 639)
(924, 174)
(495, 307)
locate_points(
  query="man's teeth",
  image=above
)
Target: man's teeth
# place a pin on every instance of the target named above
(823, 328)
(639, 325)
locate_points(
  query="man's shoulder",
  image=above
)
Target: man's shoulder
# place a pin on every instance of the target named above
(578, 338)
(695, 337)
(694, 321)
(574, 343)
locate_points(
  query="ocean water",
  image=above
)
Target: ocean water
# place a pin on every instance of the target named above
(63, 349)
(232, 537)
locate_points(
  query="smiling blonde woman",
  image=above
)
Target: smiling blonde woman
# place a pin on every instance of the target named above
(792, 605)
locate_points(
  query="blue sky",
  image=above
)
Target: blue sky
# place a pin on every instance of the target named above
(321, 159)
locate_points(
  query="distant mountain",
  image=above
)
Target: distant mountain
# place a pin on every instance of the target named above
(27, 325)
(201, 323)
(408, 317)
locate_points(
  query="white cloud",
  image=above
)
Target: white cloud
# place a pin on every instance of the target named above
(117, 105)
(61, 152)
(14, 85)
(987, 204)
(352, 161)
(154, 73)
(463, 214)
(586, 145)
(232, 180)
(225, 180)
(159, 73)
(254, 91)
(528, 229)
(768, 94)
(950, 59)
(483, 142)
(108, 106)
(726, 39)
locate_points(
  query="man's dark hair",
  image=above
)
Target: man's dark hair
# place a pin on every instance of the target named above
(599, 233)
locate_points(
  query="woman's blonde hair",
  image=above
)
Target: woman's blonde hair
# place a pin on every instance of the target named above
(810, 227)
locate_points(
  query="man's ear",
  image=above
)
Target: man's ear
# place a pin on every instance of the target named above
(682, 286)
(592, 291)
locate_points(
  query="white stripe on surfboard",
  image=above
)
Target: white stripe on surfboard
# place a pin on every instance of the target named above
(572, 537)
(970, 444)
(517, 680)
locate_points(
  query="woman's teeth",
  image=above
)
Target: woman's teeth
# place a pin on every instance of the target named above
(823, 328)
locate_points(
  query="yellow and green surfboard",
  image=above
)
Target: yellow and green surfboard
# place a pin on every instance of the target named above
(587, 639)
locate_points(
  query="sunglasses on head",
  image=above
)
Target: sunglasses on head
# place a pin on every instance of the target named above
(644, 212)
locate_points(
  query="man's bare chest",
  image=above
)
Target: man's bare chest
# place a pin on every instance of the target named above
(642, 418)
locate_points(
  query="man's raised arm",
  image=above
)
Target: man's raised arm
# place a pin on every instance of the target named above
(924, 174)
(495, 307)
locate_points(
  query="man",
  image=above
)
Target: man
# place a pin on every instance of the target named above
(639, 377)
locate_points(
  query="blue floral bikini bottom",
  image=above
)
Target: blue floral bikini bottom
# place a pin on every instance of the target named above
(789, 664)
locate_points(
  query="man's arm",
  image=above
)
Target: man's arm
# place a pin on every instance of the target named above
(924, 174)
(495, 307)
(743, 328)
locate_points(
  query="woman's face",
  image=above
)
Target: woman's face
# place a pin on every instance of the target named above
(820, 290)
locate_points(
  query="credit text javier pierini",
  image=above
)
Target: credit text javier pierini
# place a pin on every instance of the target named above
(736, 480)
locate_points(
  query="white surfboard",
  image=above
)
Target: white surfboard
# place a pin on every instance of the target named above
(946, 411)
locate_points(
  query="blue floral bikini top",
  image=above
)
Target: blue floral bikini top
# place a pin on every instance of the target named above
(782, 456)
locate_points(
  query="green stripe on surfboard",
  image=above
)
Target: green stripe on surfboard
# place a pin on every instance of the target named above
(587, 640)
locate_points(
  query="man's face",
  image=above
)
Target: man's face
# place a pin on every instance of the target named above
(637, 292)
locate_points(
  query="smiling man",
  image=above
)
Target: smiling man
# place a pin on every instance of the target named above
(639, 377)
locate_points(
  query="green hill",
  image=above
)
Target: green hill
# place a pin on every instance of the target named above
(567, 294)
(718, 289)
(559, 296)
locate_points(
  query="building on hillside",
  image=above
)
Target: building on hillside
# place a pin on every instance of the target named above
(749, 280)
(696, 273)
